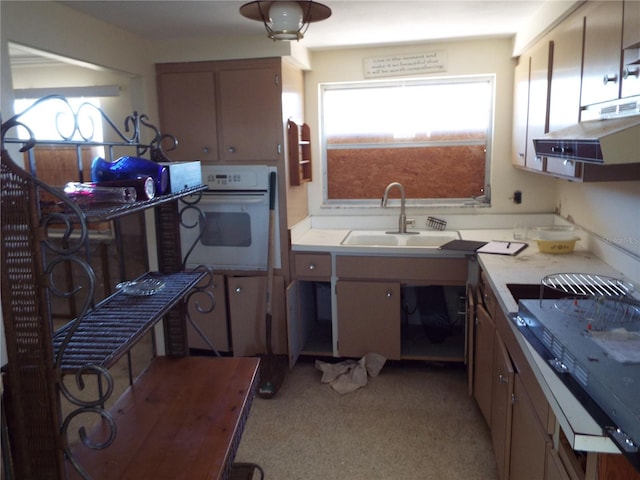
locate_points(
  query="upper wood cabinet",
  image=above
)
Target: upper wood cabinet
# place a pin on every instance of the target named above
(222, 111)
(564, 89)
(631, 45)
(250, 112)
(538, 111)
(531, 102)
(187, 104)
(602, 49)
(552, 84)
(520, 110)
(631, 24)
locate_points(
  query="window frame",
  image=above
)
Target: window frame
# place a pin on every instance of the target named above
(479, 201)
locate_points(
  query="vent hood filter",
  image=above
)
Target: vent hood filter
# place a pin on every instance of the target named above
(605, 142)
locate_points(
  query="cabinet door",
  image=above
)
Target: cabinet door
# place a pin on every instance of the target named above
(250, 114)
(538, 120)
(213, 325)
(368, 318)
(631, 72)
(602, 42)
(483, 361)
(520, 110)
(529, 440)
(471, 335)
(564, 94)
(631, 24)
(554, 469)
(247, 313)
(501, 410)
(187, 105)
(631, 46)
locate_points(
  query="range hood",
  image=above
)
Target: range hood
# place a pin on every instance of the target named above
(608, 141)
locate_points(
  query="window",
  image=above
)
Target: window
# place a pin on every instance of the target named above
(55, 120)
(432, 135)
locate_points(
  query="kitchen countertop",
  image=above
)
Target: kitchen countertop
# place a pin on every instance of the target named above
(528, 267)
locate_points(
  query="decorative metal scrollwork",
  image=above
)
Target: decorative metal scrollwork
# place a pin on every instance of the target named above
(87, 407)
(63, 234)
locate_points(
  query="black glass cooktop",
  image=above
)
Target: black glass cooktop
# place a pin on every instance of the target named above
(594, 347)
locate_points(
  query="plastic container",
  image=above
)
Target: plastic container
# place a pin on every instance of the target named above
(557, 246)
(555, 232)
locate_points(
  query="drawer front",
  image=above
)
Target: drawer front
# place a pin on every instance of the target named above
(312, 265)
(486, 295)
(439, 271)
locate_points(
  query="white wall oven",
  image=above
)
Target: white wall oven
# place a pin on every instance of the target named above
(228, 229)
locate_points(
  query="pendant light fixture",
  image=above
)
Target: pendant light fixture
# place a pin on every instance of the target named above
(286, 20)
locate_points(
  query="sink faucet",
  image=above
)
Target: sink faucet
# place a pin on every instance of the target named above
(402, 220)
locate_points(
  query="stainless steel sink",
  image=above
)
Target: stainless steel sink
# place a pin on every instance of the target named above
(379, 238)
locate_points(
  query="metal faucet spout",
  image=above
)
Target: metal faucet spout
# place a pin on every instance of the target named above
(402, 220)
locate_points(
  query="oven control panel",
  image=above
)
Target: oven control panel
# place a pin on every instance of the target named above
(248, 177)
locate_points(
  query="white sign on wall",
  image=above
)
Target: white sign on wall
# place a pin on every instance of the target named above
(411, 64)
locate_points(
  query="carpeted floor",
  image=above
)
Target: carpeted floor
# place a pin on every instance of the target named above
(412, 422)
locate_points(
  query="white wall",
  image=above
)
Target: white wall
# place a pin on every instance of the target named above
(611, 210)
(464, 58)
(59, 30)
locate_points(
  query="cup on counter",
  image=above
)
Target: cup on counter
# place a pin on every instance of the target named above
(520, 230)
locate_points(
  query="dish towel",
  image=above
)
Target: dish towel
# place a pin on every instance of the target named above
(350, 375)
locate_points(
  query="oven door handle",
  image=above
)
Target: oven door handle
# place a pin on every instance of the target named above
(227, 199)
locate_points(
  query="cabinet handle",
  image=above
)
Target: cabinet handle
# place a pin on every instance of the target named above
(514, 399)
(205, 149)
(232, 149)
(238, 289)
(502, 379)
(627, 72)
(389, 293)
(610, 77)
(312, 266)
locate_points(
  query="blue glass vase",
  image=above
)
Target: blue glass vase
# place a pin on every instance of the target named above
(129, 168)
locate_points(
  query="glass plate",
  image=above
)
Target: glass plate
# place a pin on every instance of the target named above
(141, 288)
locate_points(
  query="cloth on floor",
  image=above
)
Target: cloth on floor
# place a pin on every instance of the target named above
(350, 375)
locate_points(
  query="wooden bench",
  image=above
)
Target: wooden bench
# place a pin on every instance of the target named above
(181, 420)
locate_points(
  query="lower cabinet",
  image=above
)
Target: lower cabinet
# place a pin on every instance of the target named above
(554, 467)
(399, 307)
(369, 318)
(237, 323)
(247, 315)
(485, 332)
(529, 440)
(209, 328)
(501, 412)
(519, 438)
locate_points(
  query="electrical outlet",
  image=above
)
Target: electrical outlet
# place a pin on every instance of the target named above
(517, 197)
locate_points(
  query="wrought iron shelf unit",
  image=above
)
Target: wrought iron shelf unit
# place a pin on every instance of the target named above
(36, 241)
